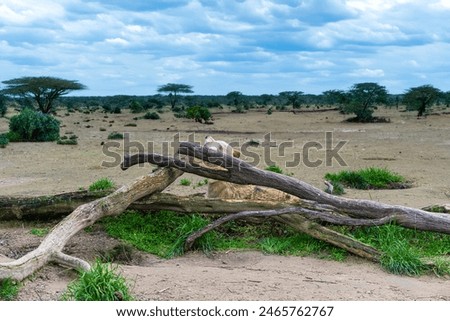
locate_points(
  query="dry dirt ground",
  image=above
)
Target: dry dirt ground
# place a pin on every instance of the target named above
(419, 149)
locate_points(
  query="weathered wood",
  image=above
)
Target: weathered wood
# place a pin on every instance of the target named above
(295, 217)
(50, 207)
(50, 250)
(45, 207)
(237, 171)
(55, 206)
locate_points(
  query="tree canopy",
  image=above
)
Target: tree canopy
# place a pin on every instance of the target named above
(293, 97)
(363, 98)
(421, 98)
(173, 90)
(44, 90)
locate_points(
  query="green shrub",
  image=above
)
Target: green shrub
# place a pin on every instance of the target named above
(101, 185)
(8, 289)
(34, 126)
(3, 107)
(199, 114)
(116, 110)
(4, 140)
(368, 178)
(136, 107)
(151, 115)
(100, 283)
(67, 142)
(115, 135)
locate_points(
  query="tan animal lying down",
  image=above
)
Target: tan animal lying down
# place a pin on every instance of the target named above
(226, 190)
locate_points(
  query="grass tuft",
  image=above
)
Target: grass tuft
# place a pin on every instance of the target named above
(101, 283)
(275, 169)
(185, 182)
(101, 185)
(41, 232)
(8, 289)
(368, 178)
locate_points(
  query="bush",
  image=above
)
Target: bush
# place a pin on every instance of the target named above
(115, 135)
(199, 114)
(100, 283)
(116, 110)
(151, 115)
(67, 142)
(3, 140)
(34, 126)
(3, 107)
(136, 107)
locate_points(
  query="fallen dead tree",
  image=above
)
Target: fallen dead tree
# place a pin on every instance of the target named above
(311, 215)
(50, 207)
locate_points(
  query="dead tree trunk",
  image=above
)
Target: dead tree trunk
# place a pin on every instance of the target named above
(50, 250)
(228, 168)
(49, 207)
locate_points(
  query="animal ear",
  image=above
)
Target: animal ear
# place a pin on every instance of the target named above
(209, 139)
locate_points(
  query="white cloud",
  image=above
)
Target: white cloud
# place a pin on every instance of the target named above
(261, 46)
(117, 41)
(368, 73)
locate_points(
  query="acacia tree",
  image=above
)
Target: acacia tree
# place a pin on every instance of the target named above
(421, 98)
(173, 90)
(336, 97)
(363, 98)
(293, 97)
(44, 90)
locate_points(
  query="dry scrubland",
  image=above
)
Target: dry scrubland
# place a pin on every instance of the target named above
(418, 149)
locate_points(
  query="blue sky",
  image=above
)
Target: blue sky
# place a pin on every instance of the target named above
(253, 46)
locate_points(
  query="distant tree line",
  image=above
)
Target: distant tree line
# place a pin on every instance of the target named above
(47, 93)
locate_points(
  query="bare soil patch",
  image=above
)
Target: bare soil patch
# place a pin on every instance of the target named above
(418, 149)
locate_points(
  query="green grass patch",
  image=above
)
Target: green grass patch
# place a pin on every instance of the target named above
(404, 251)
(368, 178)
(41, 232)
(185, 182)
(274, 168)
(101, 185)
(101, 283)
(161, 233)
(8, 289)
(165, 232)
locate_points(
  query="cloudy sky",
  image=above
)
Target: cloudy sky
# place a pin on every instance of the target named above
(253, 46)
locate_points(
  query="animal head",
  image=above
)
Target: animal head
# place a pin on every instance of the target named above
(220, 146)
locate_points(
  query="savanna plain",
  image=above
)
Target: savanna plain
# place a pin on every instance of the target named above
(418, 149)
